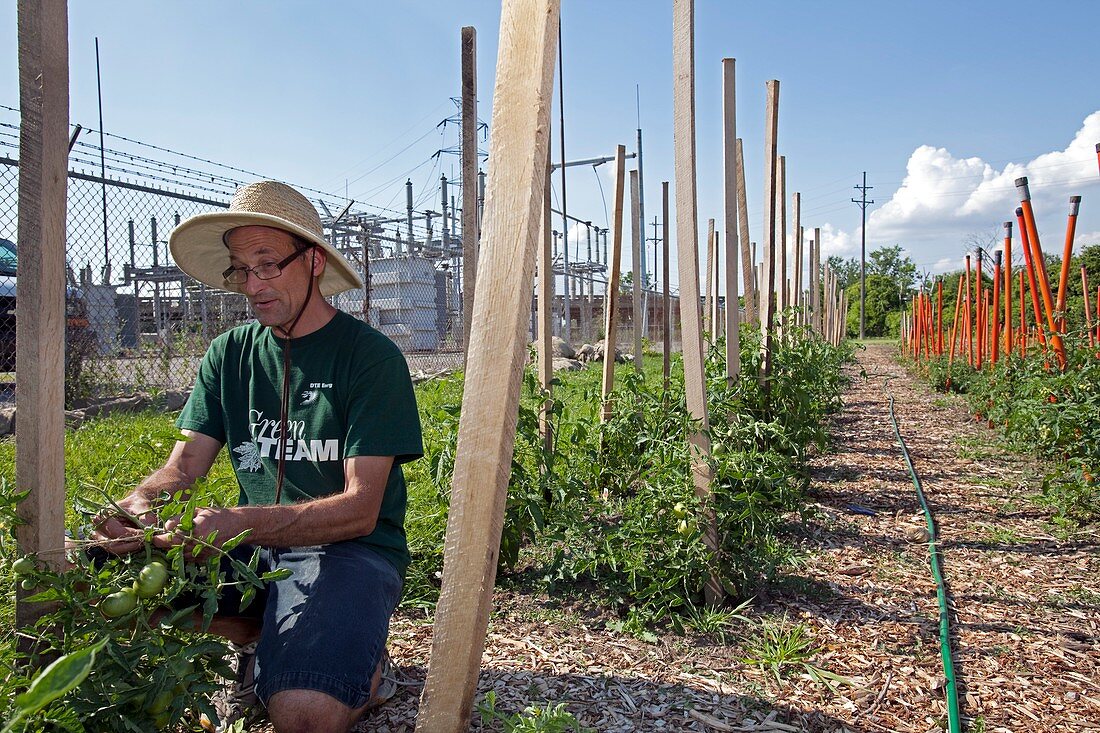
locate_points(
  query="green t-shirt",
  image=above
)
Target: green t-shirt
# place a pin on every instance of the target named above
(350, 395)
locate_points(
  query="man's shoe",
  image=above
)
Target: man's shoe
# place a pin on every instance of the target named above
(387, 682)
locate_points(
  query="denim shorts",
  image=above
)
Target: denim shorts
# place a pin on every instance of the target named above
(324, 627)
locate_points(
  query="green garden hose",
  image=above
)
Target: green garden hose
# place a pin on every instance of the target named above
(953, 723)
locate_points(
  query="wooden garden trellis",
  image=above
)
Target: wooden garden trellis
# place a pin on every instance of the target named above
(729, 194)
(486, 435)
(687, 242)
(469, 178)
(40, 362)
(611, 298)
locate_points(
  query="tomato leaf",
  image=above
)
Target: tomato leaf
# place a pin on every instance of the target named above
(59, 678)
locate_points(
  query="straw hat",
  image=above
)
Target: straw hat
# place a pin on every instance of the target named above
(198, 244)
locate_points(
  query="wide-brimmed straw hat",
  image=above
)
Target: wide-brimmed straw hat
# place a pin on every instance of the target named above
(198, 244)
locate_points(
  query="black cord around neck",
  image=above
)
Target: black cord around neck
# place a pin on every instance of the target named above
(284, 404)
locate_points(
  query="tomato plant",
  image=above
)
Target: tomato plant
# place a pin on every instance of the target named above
(148, 612)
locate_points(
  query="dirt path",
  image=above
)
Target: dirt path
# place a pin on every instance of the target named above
(1026, 605)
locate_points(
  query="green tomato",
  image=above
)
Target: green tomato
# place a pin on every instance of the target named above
(181, 667)
(160, 703)
(22, 566)
(684, 528)
(680, 510)
(119, 603)
(28, 584)
(151, 580)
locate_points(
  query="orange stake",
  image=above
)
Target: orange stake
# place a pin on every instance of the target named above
(939, 316)
(1030, 266)
(995, 338)
(1041, 270)
(955, 327)
(968, 323)
(1023, 318)
(1008, 287)
(1067, 252)
(1088, 311)
(979, 301)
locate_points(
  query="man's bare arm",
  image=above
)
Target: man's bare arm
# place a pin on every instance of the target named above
(189, 460)
(352, 513)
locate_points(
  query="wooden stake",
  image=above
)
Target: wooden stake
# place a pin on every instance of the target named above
(815, 281)
(748, 254)
(708, 301)
(771, 185)
(544, 344)
(796, 261)
(667, 364)
(611, 300)
(40, 351)
(729, 191)
(715, 304)
(469, 180)
(687, 238)
(487, 429)
(781, 243)
(636, 234)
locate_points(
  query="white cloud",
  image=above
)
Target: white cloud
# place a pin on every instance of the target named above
(944, 198)
(947, 264)
(837, 242)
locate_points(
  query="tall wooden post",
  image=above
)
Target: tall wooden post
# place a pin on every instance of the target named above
(708, 268)
(40, 352)
(771, 184)
(815, 280)
(687, 238)
(545, 301)
(781, 242)
(487, 429)
(469, 180)
(667, 310)
(715, 306)
(796, 260)
(636, 235)
(748, 251)
(611, 300)
(729, 194)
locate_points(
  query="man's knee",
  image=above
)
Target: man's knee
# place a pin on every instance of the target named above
(302, 711)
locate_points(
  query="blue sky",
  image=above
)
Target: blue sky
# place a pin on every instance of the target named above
(943, 104)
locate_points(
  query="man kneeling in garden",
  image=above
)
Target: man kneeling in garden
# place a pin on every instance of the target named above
(316, 409)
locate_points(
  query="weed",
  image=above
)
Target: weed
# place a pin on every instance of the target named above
(787, 648)
(1003, 536)
(534, 719)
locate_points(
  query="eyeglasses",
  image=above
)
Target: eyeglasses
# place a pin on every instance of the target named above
(262, 271)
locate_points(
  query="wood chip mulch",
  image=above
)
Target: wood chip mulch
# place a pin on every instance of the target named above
(1025, 604)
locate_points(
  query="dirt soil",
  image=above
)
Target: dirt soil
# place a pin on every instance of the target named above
(1024, 598)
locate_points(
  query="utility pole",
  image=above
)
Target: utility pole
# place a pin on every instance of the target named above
(862, 202)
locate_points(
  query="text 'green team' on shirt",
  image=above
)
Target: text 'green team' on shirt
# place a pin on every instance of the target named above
(350, 395)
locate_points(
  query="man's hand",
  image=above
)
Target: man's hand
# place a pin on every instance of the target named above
(125, 533)
(122, 534)
(224, 524)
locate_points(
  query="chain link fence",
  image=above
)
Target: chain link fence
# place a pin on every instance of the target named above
(137, 323)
